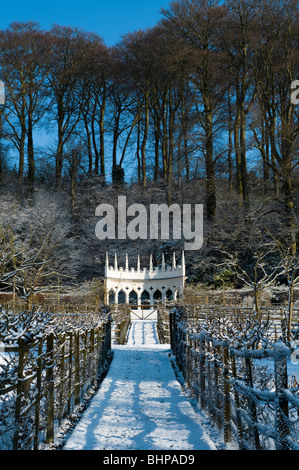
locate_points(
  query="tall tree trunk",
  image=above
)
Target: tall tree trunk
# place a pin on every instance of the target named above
(185, 119)
(88, 135)
(274, 155)
(164, 137)
(289, 202)
(59, 151)
(95, 149)
(170, 147)
(102, 137)
(59, 163)
(22, 155)
(245, 194)
(138, 152)
(144, 140)
(179, 163)
(30, 151)
(230, 144)
(209, 161)
(157, 148)
(74, 174)
(238, 159)
(115, 140)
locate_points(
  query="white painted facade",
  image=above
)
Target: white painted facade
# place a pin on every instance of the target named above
(144, 286)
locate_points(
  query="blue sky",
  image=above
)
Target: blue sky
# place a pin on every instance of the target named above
(109, 18)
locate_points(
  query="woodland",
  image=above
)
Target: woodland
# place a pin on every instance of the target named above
(196, 110)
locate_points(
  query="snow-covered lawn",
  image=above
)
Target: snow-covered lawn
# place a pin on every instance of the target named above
(140, 404)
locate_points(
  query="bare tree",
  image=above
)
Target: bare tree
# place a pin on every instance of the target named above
(263, 275)
(95, 88)
(68, 53)
(32, 243)
(22, 48)
(199, 22)
(290, 263)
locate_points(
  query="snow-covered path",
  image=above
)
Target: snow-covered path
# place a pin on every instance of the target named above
(140, 404)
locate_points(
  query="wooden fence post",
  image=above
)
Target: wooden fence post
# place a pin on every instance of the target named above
(202, 371)
(226, 388)
(39, 366)
(92, 358)
(195, 365)
(104, 338)
(171, 331)
(192, 365)
(237, 403)
(179, 346)
(99, 351)
(85, 358)
(50, 387)
(187, 365)
(251, 405)
(21, 353)
(70, 392)
(216, 390)
(77, 368)
(210, 385)
(62, 378)
(281, 383)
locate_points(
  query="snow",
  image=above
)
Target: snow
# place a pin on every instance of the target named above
(140, 404)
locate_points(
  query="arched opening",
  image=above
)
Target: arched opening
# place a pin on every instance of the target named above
(145, 298)
(157, 296)
(111, 297)
(121, 297)
(169, 295)
(133, 298)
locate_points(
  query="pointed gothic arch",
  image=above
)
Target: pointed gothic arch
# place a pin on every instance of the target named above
(121, 297)
(133, 298)
(169, 295)
(157, 296)
(145, 297)
(111, 296)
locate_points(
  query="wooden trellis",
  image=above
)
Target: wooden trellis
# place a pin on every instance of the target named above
(52, 376)
(220, 377)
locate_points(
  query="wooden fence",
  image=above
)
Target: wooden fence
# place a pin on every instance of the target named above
(252, 413)
(163, 324)
(121, 319)
(45, 379)
(277, 317)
